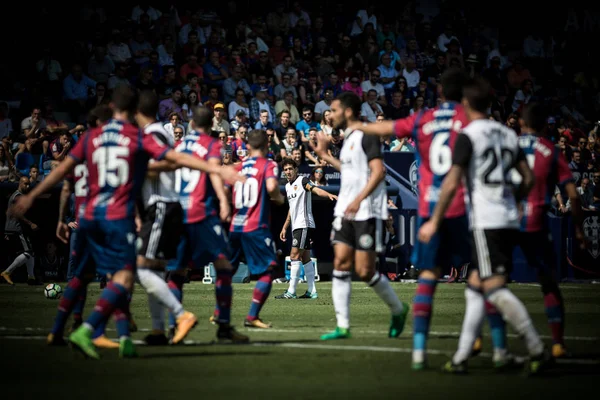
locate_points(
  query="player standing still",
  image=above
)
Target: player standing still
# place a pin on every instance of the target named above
(360, 212)
(299, 194)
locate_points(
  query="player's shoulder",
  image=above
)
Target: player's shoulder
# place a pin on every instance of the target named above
(155, 127)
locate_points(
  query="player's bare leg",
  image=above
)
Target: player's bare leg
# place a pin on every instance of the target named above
(223, 294)
(364, 264)
(422, 312)
(341, 287)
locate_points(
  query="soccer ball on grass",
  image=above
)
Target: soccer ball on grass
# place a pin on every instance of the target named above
(52, 291)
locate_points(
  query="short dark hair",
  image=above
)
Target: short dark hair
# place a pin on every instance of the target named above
(125, 99)
(453, 81)
(148, 103)
(534, 116)
(257, 139)
(288, 161)
(478, 94)
(350, 100)
(101, 112)
(202, 118)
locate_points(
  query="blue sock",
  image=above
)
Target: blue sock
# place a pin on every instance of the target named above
(113, 296)
(67, 303)
(260, 295)
(497, 326)
(78, 309)
(122, 321)
(422, 306)
(223, 292)
(100, 330)
(176, 286)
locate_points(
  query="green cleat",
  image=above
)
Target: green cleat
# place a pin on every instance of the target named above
(339, 333)
(309, 295)
(81, 340)
(398, 321)
(418, 366)
(538, 364)
(127, 349)
(458, 369)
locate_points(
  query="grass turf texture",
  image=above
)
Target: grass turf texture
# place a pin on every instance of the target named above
(290, 361)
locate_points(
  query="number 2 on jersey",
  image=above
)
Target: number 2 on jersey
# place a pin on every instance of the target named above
(113, 170)
(186, 179)
(246, 194)
(81, 188)
(440, 155)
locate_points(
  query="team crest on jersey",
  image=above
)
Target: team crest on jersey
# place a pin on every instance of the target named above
(591, 229)
(414, 177)
(295, 187)
(131, 238)
(365, 241)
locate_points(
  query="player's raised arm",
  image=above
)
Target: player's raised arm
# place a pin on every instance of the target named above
(62, 229)
(384, 128)
(323, 154)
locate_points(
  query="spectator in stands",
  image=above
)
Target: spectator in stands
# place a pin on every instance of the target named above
(317, 177)
(336, 143)
(140, 47)
(260, 104)
(284, 87)
(397, 108)
(215, 73)
(100, 66)
(6, 126)
(374, 83)
(213, 98)
(57, 150)
(34, 175)
(77, 89)
(263, 122)
(220, 124)
(586, 193)
(5, 165)
(239, 104)
(577, 167)
(190, 103)
(287, 104)
(174, 121)
(290, 142)
(171, 105)
(192, 83)
(370, 108)
(120, 77)
(178, 133)
(168, 83)
(239, 146)
(118, 51)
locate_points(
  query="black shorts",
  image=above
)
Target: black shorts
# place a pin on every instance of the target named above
(360, 235)
(18, 242)
(302, 238)
(493, 251)
(162, 227)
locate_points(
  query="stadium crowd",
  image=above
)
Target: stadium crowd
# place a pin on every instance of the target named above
(278, 69)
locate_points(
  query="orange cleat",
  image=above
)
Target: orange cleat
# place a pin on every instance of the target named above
(185, 324)
(105, 343)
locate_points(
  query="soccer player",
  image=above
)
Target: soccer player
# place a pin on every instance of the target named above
(484, 155)
(360, 215)
(205, 205)
(13, 229)
(250, 237)
(434, 132)
(299, 194)
(117, 156)
(161, 230)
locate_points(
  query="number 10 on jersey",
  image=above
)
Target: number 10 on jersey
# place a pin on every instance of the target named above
(246, 193)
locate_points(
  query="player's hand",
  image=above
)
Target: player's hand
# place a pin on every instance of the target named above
(426, 232)
(352, 209)
(33, 227)
(138, 224)
(282, 235)
(230, 174)
(332, 197)
(322, 144)
(73, 225)
(62, 232)
(21, 206)
(225, 211)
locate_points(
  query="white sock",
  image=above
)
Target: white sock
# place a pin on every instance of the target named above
(473, 319)
(515, 313)
(154, 284)
(382, 287)
(157, 313)
(20, 260)
(30, 265)
(309, 271)
(341, 286)
(294, 275)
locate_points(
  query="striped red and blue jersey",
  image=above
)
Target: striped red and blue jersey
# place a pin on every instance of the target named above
(239, 149)
(116, 155)
(78, 180)
(252, 210)
(549, 168)
(196, 193)
(434, 133)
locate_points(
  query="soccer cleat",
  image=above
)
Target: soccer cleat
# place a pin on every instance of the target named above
(227, 333)
(105, 343)
(126, 348)
(539, 364)
(287, 295)
(81, 340)
(339, 333)
(257, 323)
(309, 295)
(171, 334)
(6, 276)
(418, 366)
(476, 347)
(54, 340)
(398, 321)
(156, 338)
(559, 351)
(506, 363)
(185, 324)
(458, 369)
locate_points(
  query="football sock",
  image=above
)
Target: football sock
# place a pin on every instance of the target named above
(294, 275)
(157, 313)
(341, 287)
(554, 307)
(100, 329)
(223, 293)
(309, 271)
(498, 330)
(381, 286)
(515, 313)
(176, 286)
(154, 284)
(260, 295)
(66, 305)
(113, 296)
(20, 260)
(30, 266)
(422, 306)
(473, 319)
(80, 303)
(122, 321)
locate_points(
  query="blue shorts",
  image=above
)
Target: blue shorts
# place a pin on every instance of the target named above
(202, 243)
(256, 247)
(449, 247)
(105, 246)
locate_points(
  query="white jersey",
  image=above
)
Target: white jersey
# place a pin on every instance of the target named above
(300, 200)
(358, 149)
(489, 150)
(163, 188)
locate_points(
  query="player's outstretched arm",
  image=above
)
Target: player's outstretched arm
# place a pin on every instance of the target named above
(384, 128)
(323, 154)
(62, 229)
(274, 192)
(24, 202)
(228, 173)
(323, 193)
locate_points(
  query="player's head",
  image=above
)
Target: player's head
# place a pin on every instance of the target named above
(202, 119)
(477, 97)
(124, 100)
(290, 168)
(257, 142)
(533, 117)
(452, 82)
(99, 115)
(345, 107)
(147, 107)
